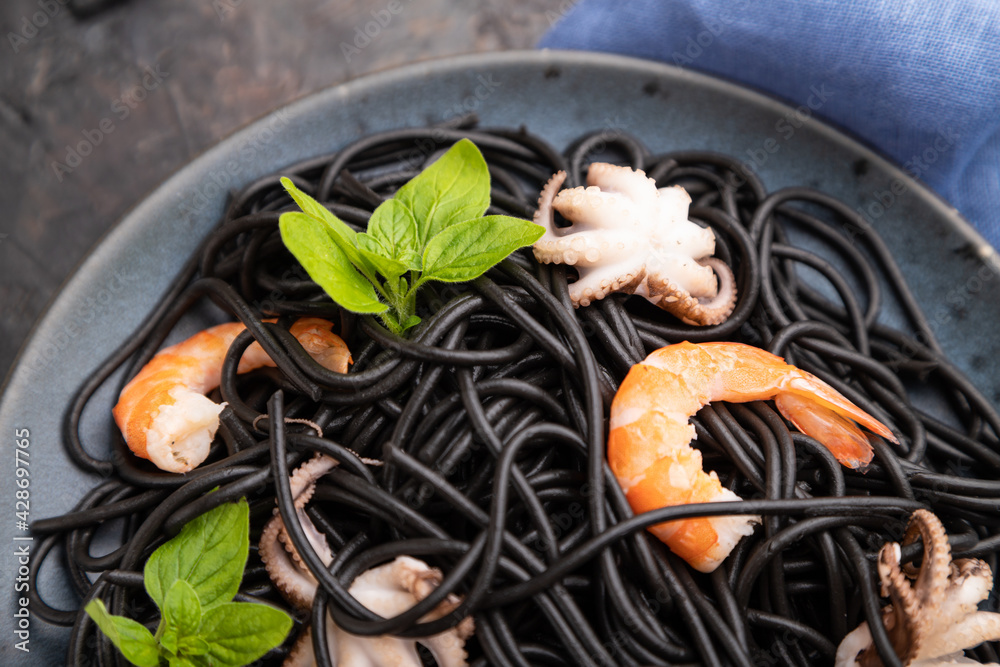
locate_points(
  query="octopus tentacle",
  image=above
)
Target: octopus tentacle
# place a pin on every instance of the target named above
(716, 309)
(297, 586)
(543, 214)
(387, 590)
(933, 612)
(693, 310)
(901, 617)
(932, 578)
(633, 184)
(598, 284)
(594, 209)
(280, 557)
(972, 630)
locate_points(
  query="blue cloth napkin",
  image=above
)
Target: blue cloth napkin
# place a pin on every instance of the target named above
(919, 81)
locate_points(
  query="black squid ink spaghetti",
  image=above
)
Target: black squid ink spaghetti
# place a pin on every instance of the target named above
(489, 422)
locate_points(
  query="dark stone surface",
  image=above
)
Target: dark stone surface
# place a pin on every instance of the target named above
(669, 108)
(146, 86)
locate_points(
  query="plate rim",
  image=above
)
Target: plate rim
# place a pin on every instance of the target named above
(162, 193)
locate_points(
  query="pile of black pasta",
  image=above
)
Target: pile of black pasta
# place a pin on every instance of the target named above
(491, 423)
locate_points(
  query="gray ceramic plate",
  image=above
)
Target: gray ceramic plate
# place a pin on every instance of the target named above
(557, 95)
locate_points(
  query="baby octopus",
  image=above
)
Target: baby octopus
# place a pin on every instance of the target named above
(627, 236)
(933, 615)
(388, 590)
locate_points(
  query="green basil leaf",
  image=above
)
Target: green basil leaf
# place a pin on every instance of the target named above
(308, 240)
(413, 260)
(313, 208)
(371, 244)
(342, 235)
(389, 268)
(392, 224)
(168, 640)
(133, 639)
(466, 250)
(182, 609)
(411, 321)
(209, 554)
(192, 646)
(181, 661)
(378, 257)
(455, 188)
(238, 633)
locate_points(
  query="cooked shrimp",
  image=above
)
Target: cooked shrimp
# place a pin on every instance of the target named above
(649, 444)
(163, 411)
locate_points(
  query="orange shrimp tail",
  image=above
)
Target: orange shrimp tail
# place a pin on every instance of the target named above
(327, 348)
(841, 436)
(821, 412)
(816, 408)
(818, 392)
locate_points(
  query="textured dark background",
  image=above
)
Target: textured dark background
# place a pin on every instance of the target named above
(148, 85)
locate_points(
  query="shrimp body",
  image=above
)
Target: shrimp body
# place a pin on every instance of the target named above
(649, 442)
(163, 412)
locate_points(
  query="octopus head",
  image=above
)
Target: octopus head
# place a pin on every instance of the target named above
(625, 235)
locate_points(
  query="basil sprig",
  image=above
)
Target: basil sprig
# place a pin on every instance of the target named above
(192, 579)
(433, 229)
